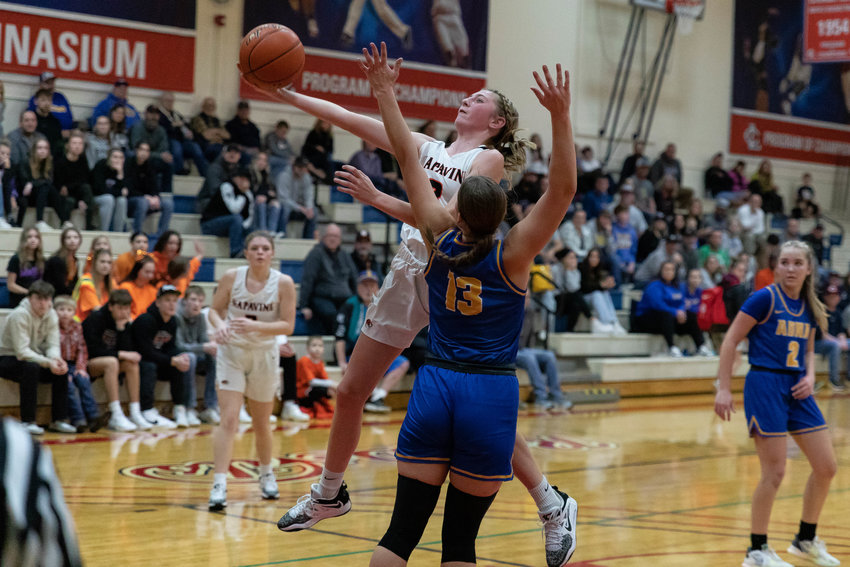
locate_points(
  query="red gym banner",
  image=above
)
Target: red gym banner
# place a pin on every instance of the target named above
(84, 47)
(764, 135)
(433, 95)
(826, 31)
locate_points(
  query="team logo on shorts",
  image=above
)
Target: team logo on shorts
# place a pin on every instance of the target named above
(290, 467)
(560, 442)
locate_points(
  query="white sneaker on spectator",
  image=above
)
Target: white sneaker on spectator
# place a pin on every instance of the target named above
(291, 412)
(180, 418)
(597, 327)
(155, 419)
(139, 420)
(619, 329)
(119, 422)
(67, 224)
(61, 427)
(4, 223)
(33, 429)
(210, 415)
(280, 235)
(192, 418)
(244, 417)
(43, 226)
(675, 352)
(705, 350)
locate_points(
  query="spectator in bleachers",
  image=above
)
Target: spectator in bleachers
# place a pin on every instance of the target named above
(59, 105)
(72, 177)
(525, 194)
(192, 339)
(145, 195)
(716, 179)
(805, 207)
(7, 183)
(119, 131)
(95, 285)
(211, 135)
(362, 255)
(220, 171)
(22, 138)
(740, 183)
(732, 238)
(791, 232)
(534, 158)
(315, 389)
(630, 163)
(568, 299)
(125, 262)
(764, 277)
(650, 239)
(112, 351)
(669, 251)
(266, 204)
(161, 158)
(291, 410)
(168, 247)
(429, 128)
(714, 247)
(599, 199)
(832, 343)
(735, 286)
(278, 148)
(82, 409)
(329, 278)
(816, 242)
(694, 219)
(318, 150)
(181, 139)
(603, 233)
(677, 224)
(98, 141)
(297, 194)
(661, 310)
(596, 285)
(110, 191)
(100, 242)
(369, 162)
(349, 321)
(719, 218)
(690, 252)
(47, 124)
(666, 192)
(751, 217)
(763, 184)
(62, 270)
(626, 198)
(30, 353)
(243, 132)
(711, 273)
(25, 266)
(140, 284)
(643, 187)
(575, 234)
(118, 96)
(537, 361)
(230, 211)
(587, 162)
(35, 186)
(155, 335)
(666, 164)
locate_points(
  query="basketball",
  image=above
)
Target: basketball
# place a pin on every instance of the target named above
(271, 56)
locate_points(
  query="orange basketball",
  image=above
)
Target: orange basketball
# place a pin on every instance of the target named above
(271, 56)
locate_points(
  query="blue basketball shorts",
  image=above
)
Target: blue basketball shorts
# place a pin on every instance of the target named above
(465, 420)
(772, 411)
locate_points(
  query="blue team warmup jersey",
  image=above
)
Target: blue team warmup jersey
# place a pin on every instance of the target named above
(781, 335)
(476, 312)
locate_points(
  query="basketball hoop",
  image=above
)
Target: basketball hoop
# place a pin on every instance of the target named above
(687, 12)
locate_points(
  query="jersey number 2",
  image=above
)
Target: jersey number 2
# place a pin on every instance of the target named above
(793, 351)
(469, 302)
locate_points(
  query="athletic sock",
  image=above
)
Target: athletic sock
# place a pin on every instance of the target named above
(757, 541)
(265, 469)
(329, 484)
(378, 394)
(220, 478)
(545, 496)
(115, 408)
(135, 408)
(807, 531)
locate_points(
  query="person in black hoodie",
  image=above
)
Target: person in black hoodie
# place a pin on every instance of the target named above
(112, 351)
(72, 178)
(230, 212)
(155, 335)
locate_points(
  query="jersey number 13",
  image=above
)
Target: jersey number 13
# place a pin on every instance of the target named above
(463, 294)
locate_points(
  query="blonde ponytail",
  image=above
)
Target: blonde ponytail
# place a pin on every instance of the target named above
(507, 141)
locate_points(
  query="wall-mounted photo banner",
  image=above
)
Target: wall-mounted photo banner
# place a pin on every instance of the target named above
(443, 43)
(101, 41)
(826, 31)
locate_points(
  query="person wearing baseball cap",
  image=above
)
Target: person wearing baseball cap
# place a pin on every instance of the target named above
(117, 96)
(59, 105)
(362, 254)
(350, 319)
(832, 343)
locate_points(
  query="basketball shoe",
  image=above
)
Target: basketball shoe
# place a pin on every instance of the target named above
(814, 551)
(218, 497)
(268, 487)
(764, 557)
(559, 531)
(310, 509)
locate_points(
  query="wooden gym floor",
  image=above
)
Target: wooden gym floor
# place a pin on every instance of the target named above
(659, 482)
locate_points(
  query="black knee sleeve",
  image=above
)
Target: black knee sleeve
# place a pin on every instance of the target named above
(414, 503)
(464, 513)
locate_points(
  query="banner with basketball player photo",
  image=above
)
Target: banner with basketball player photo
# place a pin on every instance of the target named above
(443, 43)
(92, 40)
(785, 104)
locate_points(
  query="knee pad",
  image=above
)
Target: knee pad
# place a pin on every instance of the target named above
(414, 503)
(462, 519)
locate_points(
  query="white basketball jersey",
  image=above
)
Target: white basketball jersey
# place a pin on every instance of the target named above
(261, 306)
(446, 174)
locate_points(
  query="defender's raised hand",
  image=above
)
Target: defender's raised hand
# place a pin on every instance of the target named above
(380, 73)
(553, 94)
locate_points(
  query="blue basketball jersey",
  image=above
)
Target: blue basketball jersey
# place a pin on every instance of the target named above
(779, 339)
(476, 312)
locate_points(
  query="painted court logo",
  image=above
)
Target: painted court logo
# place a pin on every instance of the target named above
(288, 468)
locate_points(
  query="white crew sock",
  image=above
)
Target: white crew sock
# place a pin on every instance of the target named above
(220, 478)
(265, 469)
(545, 496)
(329, 484)
(135, 408)
(115, 408)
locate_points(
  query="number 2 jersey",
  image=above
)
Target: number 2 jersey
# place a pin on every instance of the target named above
(780, 337)
(476, 311)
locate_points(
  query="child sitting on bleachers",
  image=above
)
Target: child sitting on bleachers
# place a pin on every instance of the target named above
(82, 409)
(315, 389)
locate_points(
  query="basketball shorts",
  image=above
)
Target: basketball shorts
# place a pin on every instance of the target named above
(772, 411)
(400, 309)
(467, 421)
(253, 372)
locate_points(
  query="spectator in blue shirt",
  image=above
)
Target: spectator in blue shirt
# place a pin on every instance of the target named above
(118, 96)
(692, 292)
(598, 199)
(625, 242)
(59, 106)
